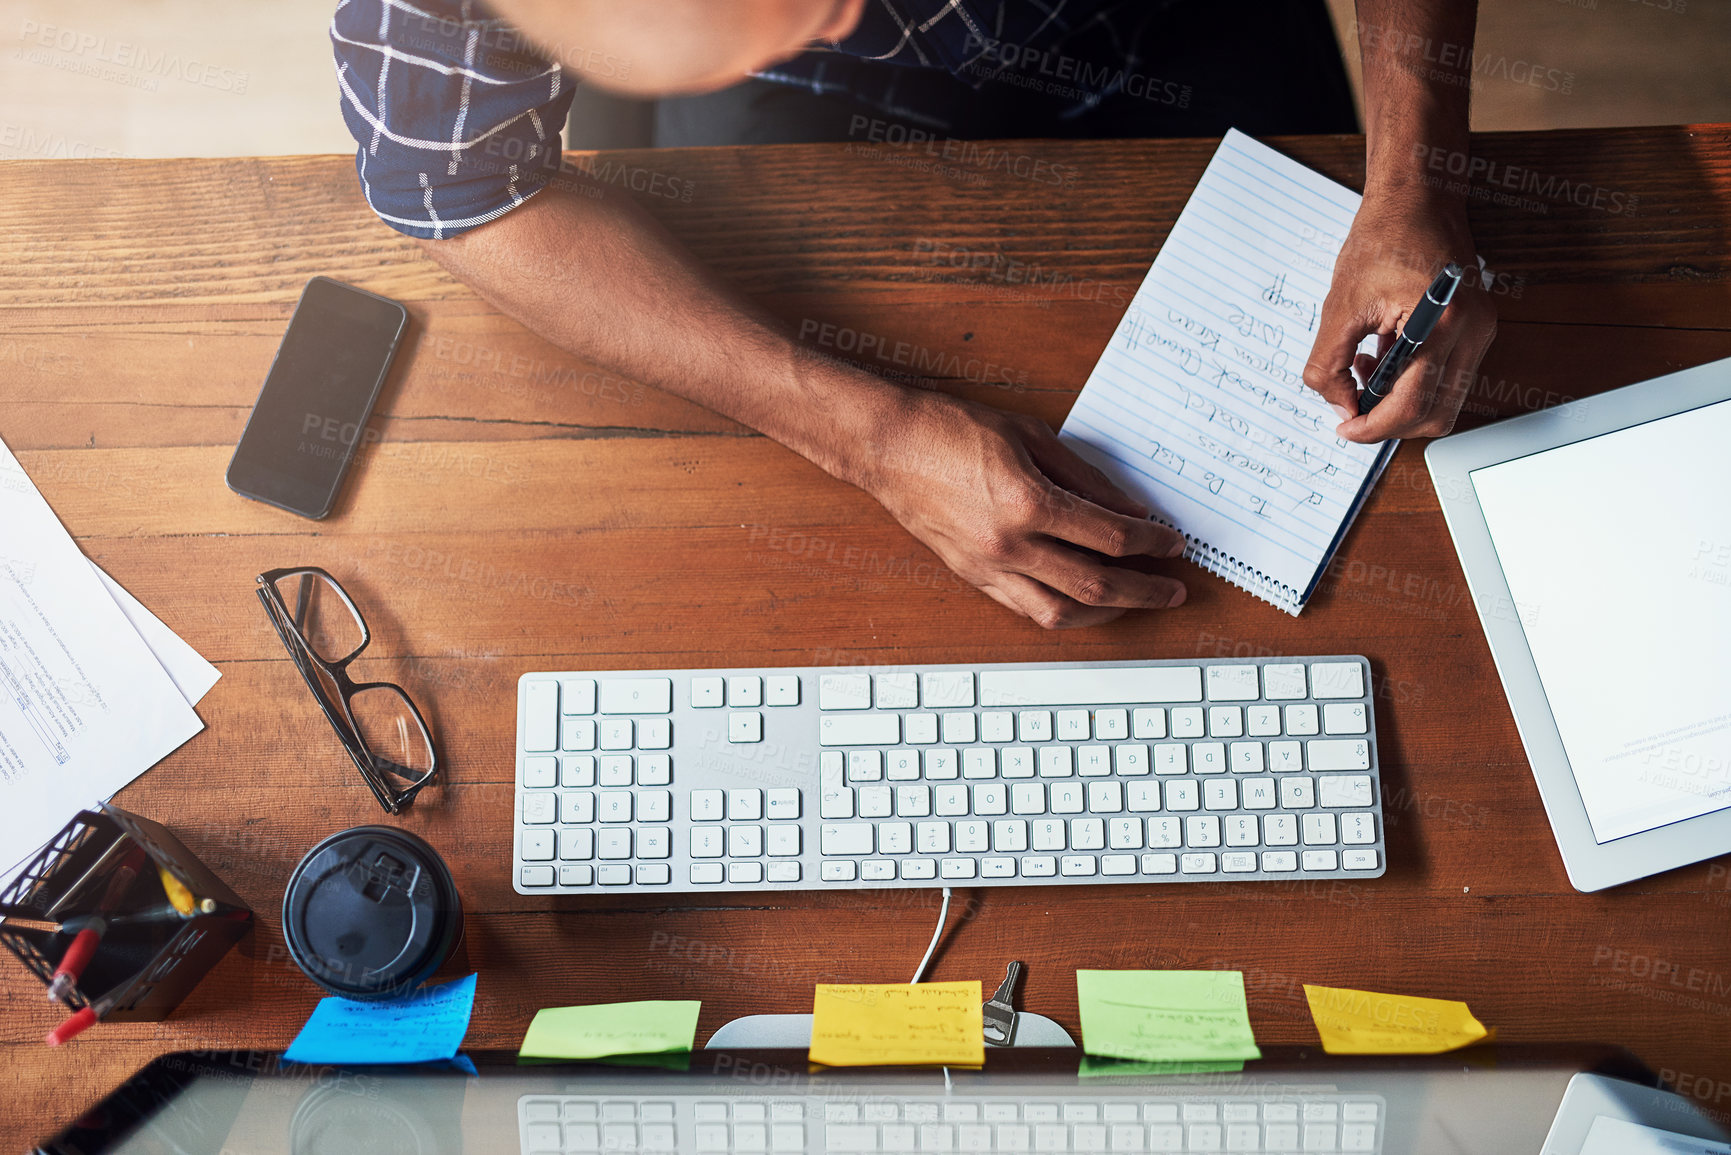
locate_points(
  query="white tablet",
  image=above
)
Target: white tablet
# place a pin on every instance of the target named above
(1596, 541)
(1603, 1116)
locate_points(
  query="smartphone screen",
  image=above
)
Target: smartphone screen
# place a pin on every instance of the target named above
(313, 409)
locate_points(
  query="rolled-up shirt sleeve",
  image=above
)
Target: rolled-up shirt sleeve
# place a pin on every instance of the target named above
(458, 121)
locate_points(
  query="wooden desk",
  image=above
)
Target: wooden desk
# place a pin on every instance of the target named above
(521, 511)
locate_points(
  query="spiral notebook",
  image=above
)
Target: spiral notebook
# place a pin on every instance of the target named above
(1198, 406)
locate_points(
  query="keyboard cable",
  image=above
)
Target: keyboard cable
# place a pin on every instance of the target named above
(937, 933)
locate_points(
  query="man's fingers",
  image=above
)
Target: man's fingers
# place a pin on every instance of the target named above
(1080, 522)
(1407, 404)
(1047, 607)
(1064, 466)
(1094, 583)
(1329, 370)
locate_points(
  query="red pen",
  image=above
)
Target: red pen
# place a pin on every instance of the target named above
(78, 1022)
(85, 942)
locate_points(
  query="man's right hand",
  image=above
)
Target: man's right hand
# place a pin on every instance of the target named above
(1013, 510)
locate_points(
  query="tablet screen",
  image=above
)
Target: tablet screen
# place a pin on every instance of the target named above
(1619, 1137)
(1617, 554)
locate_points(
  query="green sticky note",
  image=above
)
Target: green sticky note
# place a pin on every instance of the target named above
(1165, 1016)
(656, 1027)
(1097, 1068)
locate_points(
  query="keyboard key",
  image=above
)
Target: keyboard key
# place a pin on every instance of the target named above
(747, 727)
(1171, 758)
(1182, 794)
(540, 773)
(654, 874)
(540, 808)
(1105, 797)
(932, 838)
(1115, 686)
(576, 695)
(1016, 761)
(878, 871)
(577, 770)
(1285, 757)
(535, 845)
(1094, 761)
(536, 876)
(745, 805)
(1202, 830)
(1282, 683)
(1232, 684)
(1165, 833)
(1220, 794)
(636, 695)
(1034, 726)
(617, 874)
(654, 770)
(1077, 865)
(613, 843)
(1358, 860)
(1242, 830)
(1336, 680)
(900, 691)
(844, 692)
(948, 689)
(1262, 721)
(1010, 836)
(1318, 829)
(1246, 757)
(1279, 861)
(1318, 860)
(1208, 757)
(918, 869)
(539, 713)
(654, 734)
(859, 730)
(710, 873)
(839, 870)
(1238, 862)
(940, 764)
(949, 801)
(744, 841)
(1357, 829)
(865, 766)
(1056, 762)
(1258, 794)
(1159, 864)
(972, 837)
(744, 872)
(1280, 830)
(655, 806)
(708, 693)
(577, 844)
(1087, 834)
(1047, 834)
(1187, 723)
(1344, 790)
(913, 801)
(997, 726)
(1149, 722)
(1124, 834)
(745, 690)
(708, 841)
(991, 798)
(1073, 726)
(1301, 721)
(1117, 864)
(708, 806)
(1344, 718)
(876, 801)
(895, 838)
(1197, 863)
(1337, 754)
(783, 840)
(958, 728)
(615, 770)
(979, 762)
(577, 734)
(997, 868)
(781, 690)
(616, 734)
(920, 729)
(1028, 798)
(1111, 725)
(576, 876)
(1297, 793)
(901, 765)
(1039, 867)
(1225, 722)
(783, 805)
(957, 868)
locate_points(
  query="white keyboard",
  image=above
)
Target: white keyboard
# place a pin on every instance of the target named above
(1129, 1120)
(1027, 774)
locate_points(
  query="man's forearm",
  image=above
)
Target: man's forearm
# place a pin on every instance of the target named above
(1417, 58)
(600, 278)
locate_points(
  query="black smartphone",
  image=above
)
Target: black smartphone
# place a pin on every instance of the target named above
(312, 412)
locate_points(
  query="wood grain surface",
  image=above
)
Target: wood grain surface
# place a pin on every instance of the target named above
(520, 510)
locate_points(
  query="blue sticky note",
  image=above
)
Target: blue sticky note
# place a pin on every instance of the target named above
(426, 1026)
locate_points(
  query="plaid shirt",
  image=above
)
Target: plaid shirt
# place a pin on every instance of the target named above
(458, 120)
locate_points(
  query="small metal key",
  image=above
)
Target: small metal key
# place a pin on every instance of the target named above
(999, 1011)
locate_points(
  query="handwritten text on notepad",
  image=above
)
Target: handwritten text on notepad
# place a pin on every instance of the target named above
(1198, 405)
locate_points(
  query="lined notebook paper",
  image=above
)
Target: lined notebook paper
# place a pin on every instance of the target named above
(1198, 406)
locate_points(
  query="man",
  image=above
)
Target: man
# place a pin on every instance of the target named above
(458, 115)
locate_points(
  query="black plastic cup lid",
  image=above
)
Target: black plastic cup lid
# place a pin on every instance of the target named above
(371, 913)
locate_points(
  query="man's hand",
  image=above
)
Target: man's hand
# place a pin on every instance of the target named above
(1011, 509)
(1396, 248)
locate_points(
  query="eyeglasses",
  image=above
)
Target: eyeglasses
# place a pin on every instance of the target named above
(382, 730)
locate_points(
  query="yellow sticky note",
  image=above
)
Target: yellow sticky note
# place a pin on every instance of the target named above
(884, 1024)
(1365, 1023)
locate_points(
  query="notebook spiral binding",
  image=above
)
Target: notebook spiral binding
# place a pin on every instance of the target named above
(1246, 577)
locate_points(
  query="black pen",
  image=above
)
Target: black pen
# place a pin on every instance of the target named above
(1414, 333)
